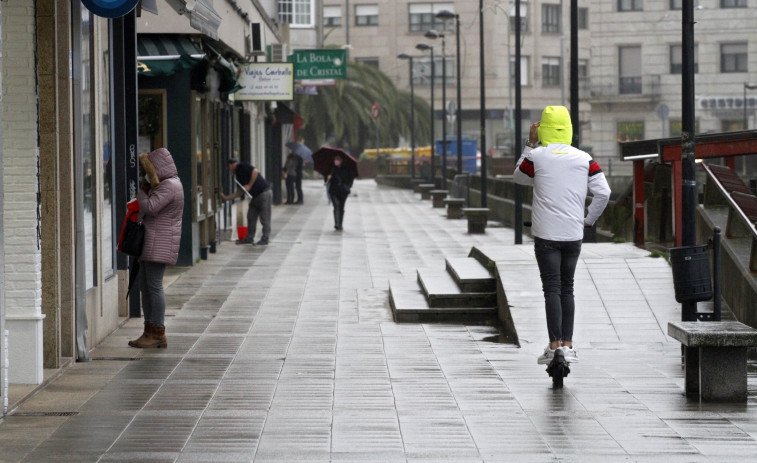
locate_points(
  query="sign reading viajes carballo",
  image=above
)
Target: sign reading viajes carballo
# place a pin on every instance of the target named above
(319, 64)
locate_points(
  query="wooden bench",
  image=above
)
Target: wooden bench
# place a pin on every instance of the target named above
(715, 355)
(454, 207)
(437, 198)
(425, 189)
(477, 218)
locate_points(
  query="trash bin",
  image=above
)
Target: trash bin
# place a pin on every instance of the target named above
(691, 273)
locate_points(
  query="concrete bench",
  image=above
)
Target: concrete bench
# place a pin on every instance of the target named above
(477, 217)
(715, 355)
(454, 207)
(416, 182)
(437, 198)
(425, 189)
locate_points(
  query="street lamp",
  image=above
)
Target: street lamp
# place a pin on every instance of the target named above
(412, 114)
(445, 15)
(482, 110)
(432, 34)
(747, 86)
(427, 47)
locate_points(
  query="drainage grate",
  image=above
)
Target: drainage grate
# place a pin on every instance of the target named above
(45, 414)
(121, 359)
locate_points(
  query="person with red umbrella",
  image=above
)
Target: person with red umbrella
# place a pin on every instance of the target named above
(339, 184)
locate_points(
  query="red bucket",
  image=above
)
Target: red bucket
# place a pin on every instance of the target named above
(242, 232)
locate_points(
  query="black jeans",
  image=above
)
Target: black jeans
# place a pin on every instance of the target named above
(338, 203)
(291, 182)
(557, 265)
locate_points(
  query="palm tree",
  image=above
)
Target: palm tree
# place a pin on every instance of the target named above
(342, 112)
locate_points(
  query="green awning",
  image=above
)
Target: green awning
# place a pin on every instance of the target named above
(164, 54)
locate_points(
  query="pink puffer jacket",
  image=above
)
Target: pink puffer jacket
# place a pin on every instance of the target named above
(161, 208)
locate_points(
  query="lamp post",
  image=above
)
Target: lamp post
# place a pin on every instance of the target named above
(432, 34)
(445, 15)
(412, 114)
(482, 110)
(747, 86)
(425, 47)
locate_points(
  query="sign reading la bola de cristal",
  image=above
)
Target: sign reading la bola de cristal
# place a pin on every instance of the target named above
(319, 64)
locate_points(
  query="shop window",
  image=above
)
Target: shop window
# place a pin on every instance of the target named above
(152, 120)
(630, 131)
(107, 217)
(676, 127)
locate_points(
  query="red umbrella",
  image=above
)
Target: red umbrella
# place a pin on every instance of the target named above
(323, 160)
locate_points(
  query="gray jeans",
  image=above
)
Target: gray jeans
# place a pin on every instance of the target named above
(151, 287)
(557, 265)
(260, 207)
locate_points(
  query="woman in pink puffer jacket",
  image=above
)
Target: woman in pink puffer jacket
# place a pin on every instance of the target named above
(161, 205)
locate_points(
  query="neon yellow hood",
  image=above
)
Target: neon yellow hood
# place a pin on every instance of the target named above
(555, 126)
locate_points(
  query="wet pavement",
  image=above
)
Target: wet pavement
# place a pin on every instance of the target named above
(288, 353)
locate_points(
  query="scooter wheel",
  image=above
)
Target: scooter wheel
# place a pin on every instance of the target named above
(557, 376)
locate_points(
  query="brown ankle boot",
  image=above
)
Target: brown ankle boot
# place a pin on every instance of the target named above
(144, 338)
(156, 338)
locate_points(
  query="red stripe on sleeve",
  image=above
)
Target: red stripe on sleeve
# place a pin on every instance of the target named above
(594, 168)
(527, 167)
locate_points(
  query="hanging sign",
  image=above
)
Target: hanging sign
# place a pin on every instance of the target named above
(110, 8)
(266, 82)
(319, 64)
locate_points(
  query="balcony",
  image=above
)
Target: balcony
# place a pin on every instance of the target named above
(641, 89)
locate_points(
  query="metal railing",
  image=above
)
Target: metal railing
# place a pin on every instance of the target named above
(739, 225)
(624, 88)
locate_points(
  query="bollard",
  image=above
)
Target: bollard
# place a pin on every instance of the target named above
(716, 274)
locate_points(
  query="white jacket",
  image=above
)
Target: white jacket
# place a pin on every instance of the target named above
(561, 176)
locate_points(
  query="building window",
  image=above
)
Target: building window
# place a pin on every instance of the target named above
(523, 17)
(676, 127)
(551, 17)
(583, 18)
(733, 57)
(630, 5)
(366, 15)
(732, 3)
(550, 71)
(676, 59)
(523, 71)
(630, 131)
(583, 75)
(369, 61)
(296, 12)
(676, 4)
(422, 70)
(332, 16)
(422, 16)
(629, 70)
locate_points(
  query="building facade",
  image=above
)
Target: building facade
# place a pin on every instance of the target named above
(636, 67)
(401, 25)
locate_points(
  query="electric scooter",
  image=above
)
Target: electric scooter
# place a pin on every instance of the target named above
(558, 369)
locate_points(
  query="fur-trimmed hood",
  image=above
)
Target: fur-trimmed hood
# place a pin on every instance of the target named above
(157, 165)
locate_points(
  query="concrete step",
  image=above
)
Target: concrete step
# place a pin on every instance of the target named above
(441, 290)
(471, 276)
(409, 305)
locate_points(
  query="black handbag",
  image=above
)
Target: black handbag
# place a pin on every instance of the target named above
(132, 238)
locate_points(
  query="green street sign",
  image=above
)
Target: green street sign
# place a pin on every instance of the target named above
(319, 64)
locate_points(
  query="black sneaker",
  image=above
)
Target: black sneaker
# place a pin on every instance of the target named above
(262, 242)
(251, 243)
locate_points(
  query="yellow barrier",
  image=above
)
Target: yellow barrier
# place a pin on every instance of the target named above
(397, 153)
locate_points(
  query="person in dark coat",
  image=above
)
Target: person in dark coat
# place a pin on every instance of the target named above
(161, 205)
(339, 183)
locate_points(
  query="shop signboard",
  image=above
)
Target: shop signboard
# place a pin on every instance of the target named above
(110, 8)
(319, 64)
(266, 82)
